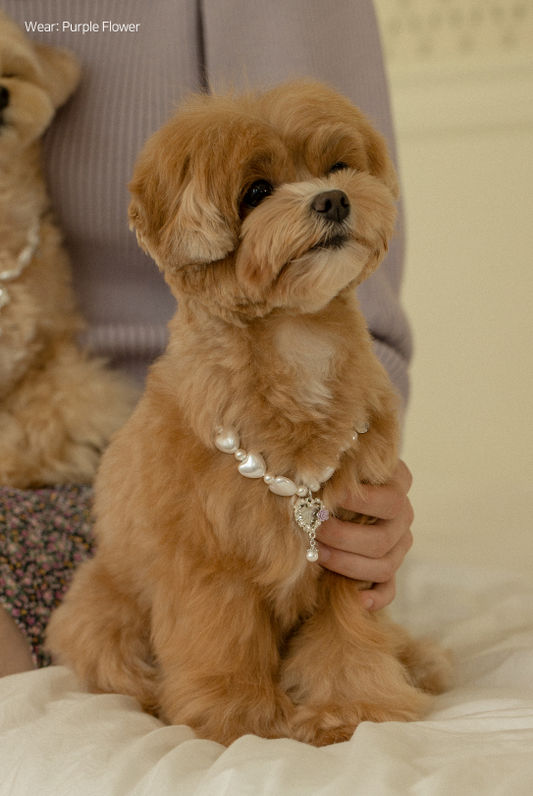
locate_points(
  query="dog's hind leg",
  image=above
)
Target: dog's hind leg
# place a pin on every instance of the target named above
(102, 632)
(218, 653)
(343, 668)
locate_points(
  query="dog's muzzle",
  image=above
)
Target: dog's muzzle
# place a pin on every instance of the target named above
(332, 207)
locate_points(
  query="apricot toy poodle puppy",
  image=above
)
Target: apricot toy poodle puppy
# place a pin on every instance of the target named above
(204, 600)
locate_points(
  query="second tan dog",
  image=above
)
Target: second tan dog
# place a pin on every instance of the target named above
(203, 601)
(58, 405)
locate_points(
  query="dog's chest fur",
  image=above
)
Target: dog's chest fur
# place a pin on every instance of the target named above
(22, 199)
(308, 356)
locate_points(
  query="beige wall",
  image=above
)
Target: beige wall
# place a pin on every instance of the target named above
(465, 137)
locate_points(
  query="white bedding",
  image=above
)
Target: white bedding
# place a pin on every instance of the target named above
(56, 740)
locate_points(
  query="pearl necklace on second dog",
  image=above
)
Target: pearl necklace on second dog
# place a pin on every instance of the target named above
(23, 260)
(309, 511)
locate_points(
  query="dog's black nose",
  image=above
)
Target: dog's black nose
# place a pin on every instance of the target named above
(333, 205)
(4, 97)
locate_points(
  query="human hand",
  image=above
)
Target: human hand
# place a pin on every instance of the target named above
(372, 552)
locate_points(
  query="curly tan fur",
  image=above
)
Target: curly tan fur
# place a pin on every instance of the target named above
(200, 601)
(58, 406)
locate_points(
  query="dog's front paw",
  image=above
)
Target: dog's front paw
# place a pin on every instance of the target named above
(229, 714)
(321, 725)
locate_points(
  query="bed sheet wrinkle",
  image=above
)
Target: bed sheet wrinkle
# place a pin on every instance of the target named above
(280, 766)
(57, 740)
(174, 752)
(511, 661)
(481, 710)
(450, 761)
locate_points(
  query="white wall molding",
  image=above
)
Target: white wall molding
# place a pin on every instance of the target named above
(429, 30)
(463, 95)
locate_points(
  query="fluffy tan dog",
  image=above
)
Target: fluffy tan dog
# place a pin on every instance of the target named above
(57, 406)
(264, 212)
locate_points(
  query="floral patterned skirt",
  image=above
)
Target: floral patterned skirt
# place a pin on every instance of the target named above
(44, 535)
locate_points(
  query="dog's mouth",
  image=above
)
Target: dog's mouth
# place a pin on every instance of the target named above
(4, 103)
(332, 241)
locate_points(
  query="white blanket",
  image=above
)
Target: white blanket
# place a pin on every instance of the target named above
(56, 740)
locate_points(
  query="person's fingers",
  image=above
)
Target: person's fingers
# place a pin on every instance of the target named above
(383, 501)
(361, 567)
(371, 541)
(372, 552)
(380, 596)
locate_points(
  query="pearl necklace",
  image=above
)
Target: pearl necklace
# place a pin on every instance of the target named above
(309, 511)
(23, 260)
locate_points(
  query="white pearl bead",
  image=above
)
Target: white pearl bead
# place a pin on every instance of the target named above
(312, 555)
(253, 465)
(240, 455)
(269, 478)
(326, 475)
(302, 491)
(227, 440)
(314, 486)
(362, 428)
(283, 486)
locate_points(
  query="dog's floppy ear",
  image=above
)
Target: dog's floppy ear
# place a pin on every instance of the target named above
(59, 72)
(379, 160)
(176, 221)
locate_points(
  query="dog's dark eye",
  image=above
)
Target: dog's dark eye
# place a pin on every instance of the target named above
(338, 167)
(255, 194)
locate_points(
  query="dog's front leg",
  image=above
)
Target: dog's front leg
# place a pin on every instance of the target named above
(343, 668)
(217, 649)
(102, 632)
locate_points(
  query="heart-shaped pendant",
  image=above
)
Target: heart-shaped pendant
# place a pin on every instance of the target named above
(309, 513)
(253, 466)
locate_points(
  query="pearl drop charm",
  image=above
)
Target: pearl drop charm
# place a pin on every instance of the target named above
(312, 555)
